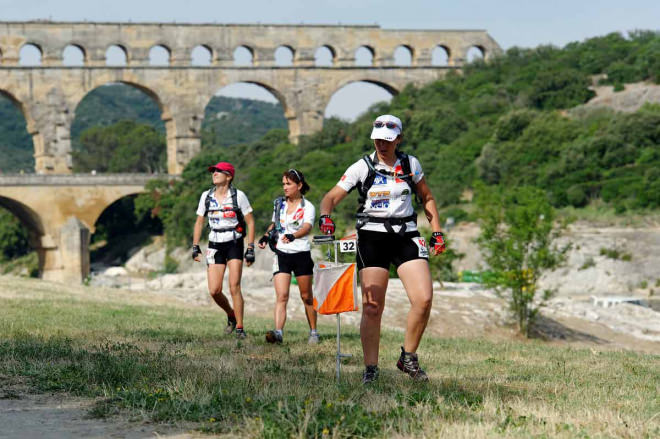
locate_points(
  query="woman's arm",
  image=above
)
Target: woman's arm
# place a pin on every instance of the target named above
(430, 208)
(197, 233)
(249, 220)
(331, 199)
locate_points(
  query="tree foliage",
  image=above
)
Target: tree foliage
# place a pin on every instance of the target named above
(518, 233)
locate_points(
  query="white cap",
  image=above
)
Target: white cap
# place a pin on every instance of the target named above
(385, 133)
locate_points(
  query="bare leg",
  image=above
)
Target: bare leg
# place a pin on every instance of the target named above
(416, 278)
(235, 272)
(215, 273)
(305, 287)
(373, 281)
(282, 282)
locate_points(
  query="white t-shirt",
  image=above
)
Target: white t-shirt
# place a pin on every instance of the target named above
(291, 223)
(219, 219)
(388, 196)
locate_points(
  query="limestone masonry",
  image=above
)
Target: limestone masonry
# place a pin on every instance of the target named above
(49, 93)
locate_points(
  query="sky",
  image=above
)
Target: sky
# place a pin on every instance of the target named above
(524, 23)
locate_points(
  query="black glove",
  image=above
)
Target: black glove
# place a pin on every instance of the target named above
(290, 237)
(437, 242)
(263, 240)
(196, 251)
(249, 254)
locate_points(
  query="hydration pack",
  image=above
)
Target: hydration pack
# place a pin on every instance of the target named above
(240, 227)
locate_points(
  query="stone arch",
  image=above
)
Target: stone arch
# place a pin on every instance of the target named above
(392, 90)
(74, 55)
(30, 54)
(160, 55)
(153, 94)
(365, 55)
(322, 52)
(199, 52)
(241, 54)
(284, 55)
(232, 89)
(475, 52)
(403, 55)
(116, 50)
(441, 55)
(92, 217)
(32, 222)
(30, 125)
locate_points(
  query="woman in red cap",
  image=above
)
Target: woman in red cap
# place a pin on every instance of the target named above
(386, 181)
(229, 213)
(293, 219)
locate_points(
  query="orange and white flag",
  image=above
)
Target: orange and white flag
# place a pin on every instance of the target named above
(335, 288)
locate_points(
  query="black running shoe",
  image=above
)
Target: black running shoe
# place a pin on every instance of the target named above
(409, 364)
(231, 325)
(273, 337)
(240, 333)
(370, 374)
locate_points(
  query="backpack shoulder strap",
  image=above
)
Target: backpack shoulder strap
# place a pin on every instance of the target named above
(277, 207)
(407, 173)
(235, 207)
(364, 186)
(207, 201)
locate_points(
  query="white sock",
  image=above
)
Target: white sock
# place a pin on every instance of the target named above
(278, 332)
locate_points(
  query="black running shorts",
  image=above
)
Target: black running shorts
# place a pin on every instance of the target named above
(221, 252)
(380, 249)
(300, 263)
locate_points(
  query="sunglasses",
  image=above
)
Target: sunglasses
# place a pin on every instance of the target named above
(389, 125)
(221, 171)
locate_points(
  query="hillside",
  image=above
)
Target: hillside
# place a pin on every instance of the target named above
(228, 121)
(503, 123)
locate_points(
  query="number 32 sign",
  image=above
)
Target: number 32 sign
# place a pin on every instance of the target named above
(347, 246)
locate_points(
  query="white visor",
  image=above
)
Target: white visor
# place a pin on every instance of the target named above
(384, 132)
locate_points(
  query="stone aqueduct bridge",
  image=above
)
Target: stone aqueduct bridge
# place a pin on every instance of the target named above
(61, 211)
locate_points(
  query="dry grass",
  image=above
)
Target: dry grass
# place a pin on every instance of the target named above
(167, 362)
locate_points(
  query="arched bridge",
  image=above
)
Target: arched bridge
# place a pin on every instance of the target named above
(60, 213)
(60, 210)
(49, 93)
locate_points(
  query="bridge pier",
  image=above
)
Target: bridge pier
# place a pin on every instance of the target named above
(69, 261)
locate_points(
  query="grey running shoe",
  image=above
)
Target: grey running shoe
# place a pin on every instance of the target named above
(231, 325)
(370, 374)
(313, 339)
(273, 337)
(240, 333)
(409, 364)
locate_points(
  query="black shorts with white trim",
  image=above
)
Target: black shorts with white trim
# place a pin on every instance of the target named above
(380, 249)
(300, 263)
(221, 252)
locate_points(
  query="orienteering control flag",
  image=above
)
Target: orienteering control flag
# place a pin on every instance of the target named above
(335, 288)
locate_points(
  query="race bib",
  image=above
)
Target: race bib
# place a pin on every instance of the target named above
(210, 256)
(422, 251)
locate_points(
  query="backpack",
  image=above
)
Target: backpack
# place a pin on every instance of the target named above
(240, 227)
(274, 233)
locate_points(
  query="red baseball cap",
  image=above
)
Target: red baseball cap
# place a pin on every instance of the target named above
(223, 167)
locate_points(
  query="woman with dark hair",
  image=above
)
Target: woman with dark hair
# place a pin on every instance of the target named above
(293, 219)
(387, 234)
(229, 214)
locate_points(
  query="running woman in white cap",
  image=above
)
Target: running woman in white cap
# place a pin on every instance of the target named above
(293, 219)
(387, 180)
(229, 213)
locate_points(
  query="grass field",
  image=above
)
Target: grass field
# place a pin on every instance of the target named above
(163, 361)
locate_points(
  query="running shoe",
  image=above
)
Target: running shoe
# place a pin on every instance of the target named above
(313, 339)
(240, 333)
(408, 363)
(273, 337)
(370, 374)
(231, 325)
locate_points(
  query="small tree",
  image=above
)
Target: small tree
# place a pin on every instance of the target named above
(517, 232)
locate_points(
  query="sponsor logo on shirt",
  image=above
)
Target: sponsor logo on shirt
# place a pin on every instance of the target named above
(382, 203)
(343, 177)
(379, 194)
(228, 213)
(298, 215)
(398, 170)
(380, 180)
